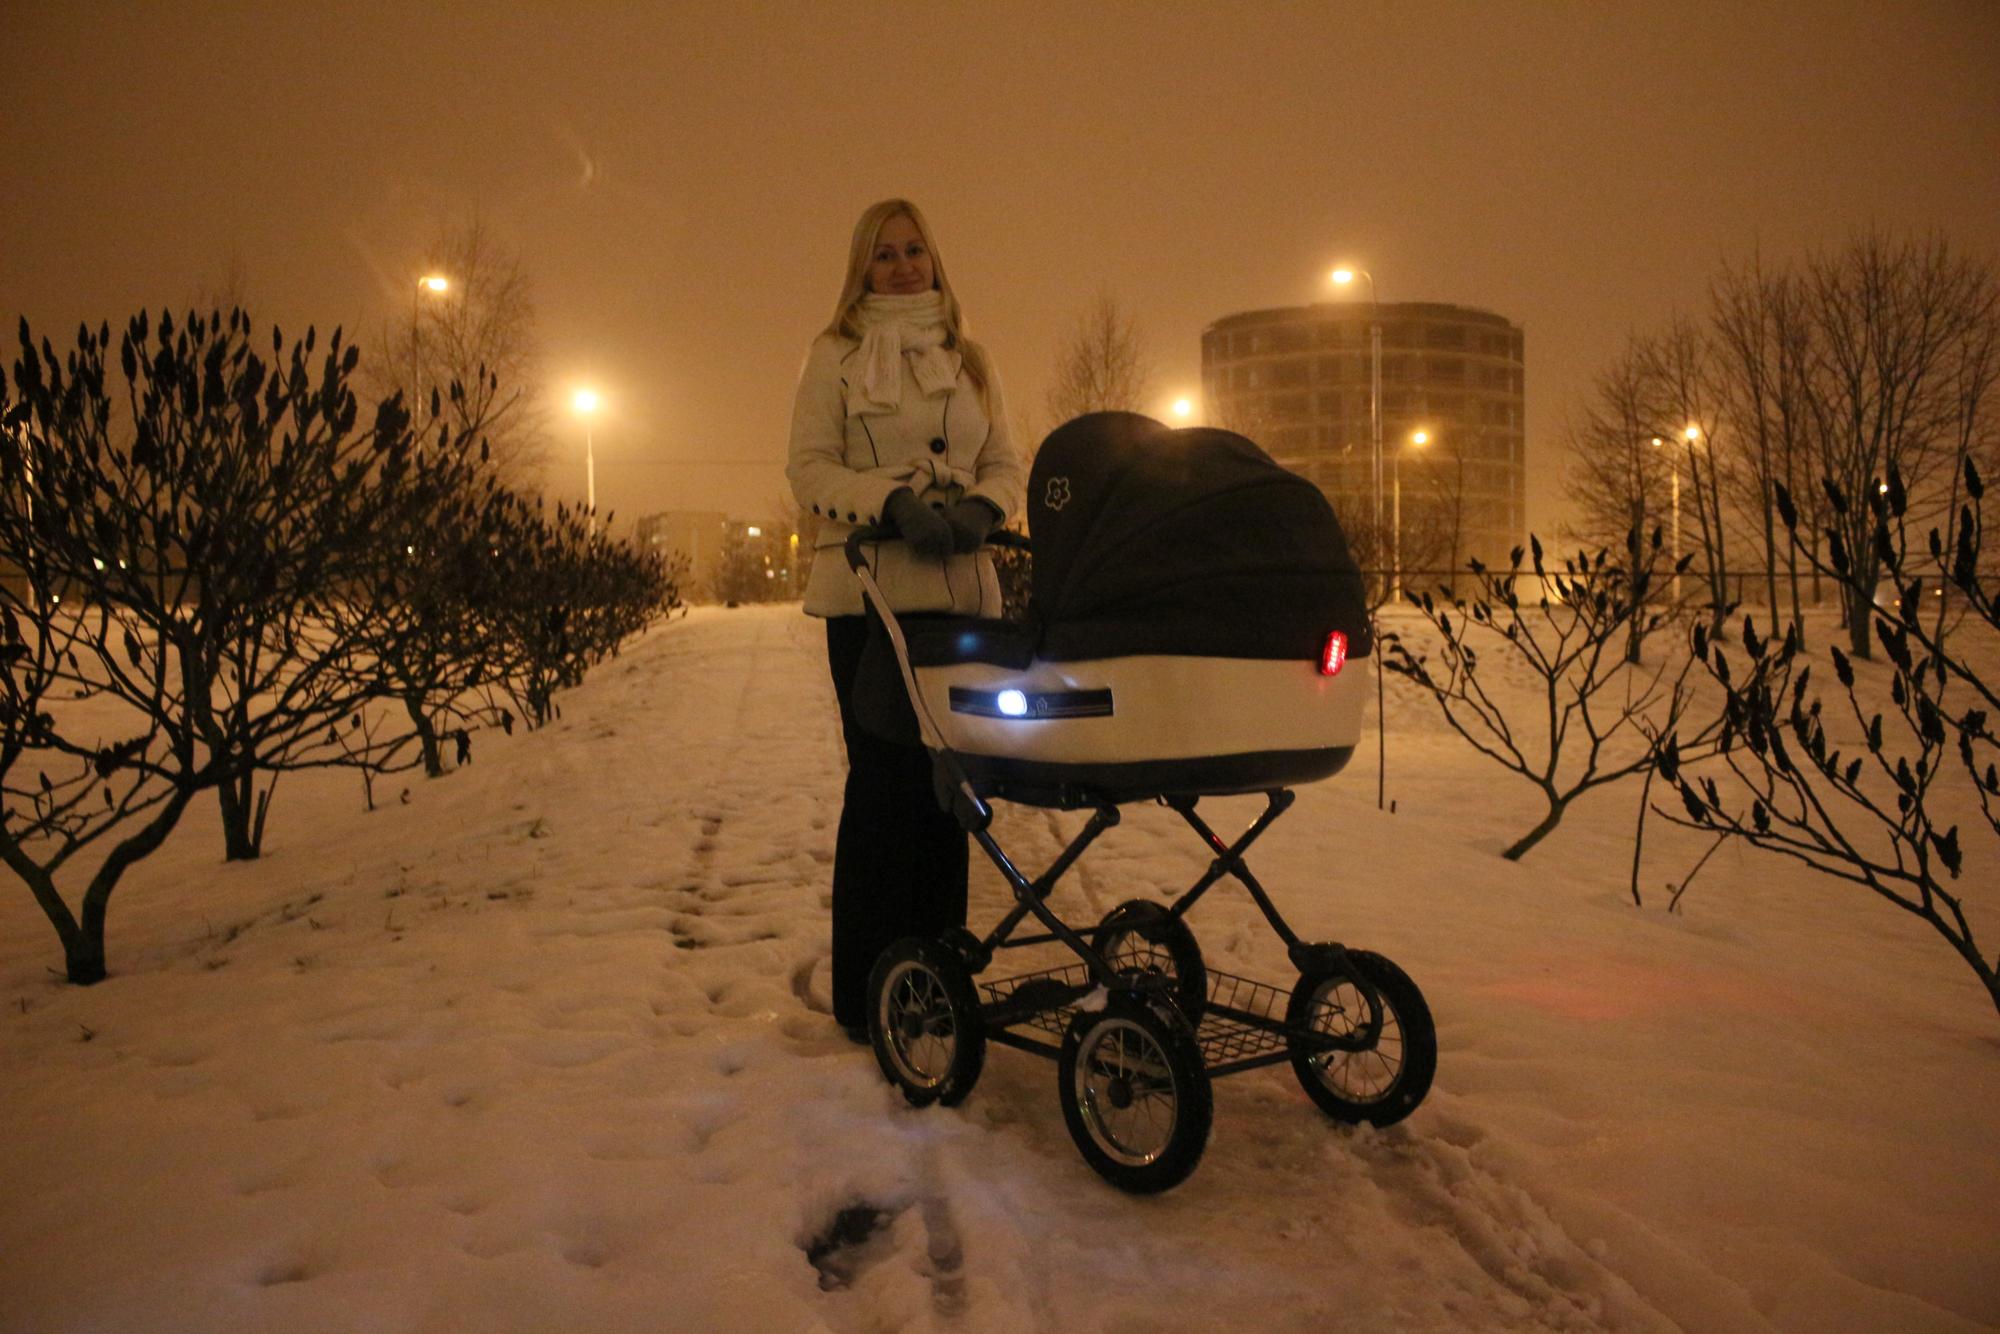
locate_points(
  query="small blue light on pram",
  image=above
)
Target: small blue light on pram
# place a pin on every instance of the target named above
(1013, 703)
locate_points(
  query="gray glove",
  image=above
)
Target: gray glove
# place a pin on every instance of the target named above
(923, 528)
(971, 520)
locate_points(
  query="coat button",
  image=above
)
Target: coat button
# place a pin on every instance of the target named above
(937, 445)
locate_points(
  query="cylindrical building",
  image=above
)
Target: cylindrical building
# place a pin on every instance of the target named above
(1296, 380)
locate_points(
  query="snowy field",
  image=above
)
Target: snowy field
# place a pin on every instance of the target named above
(545, 1047)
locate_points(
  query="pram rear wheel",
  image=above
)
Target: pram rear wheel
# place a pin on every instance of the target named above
(923, 1018)
(1142, 938)
(1384, 1081)
(1134, 1093)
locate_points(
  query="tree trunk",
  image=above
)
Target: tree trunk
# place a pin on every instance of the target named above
(1770, 557)
(240, 826)
(83, 956)
(83, 936)
(427, 738)
(1538, 833)
(1798, 612)
(1857, 604)
(1639, 833)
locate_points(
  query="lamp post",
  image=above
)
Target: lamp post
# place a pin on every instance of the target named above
(586, 404)
(1342, 277)
(1419, 439)
(436, 284)
(1183, 410)
(1690, 434)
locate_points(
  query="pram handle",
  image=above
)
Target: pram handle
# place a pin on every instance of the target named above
(999, 537)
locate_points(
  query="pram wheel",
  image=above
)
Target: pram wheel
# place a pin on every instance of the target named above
(1382, 1082)
(1141, 936)
(923, 1018)
(1134, 1093)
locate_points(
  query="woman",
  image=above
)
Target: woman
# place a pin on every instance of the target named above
(898, 423)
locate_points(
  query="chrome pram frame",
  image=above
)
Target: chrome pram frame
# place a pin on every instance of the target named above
(1138, 1026)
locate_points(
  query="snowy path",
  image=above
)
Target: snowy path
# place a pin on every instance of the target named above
(546, 1047)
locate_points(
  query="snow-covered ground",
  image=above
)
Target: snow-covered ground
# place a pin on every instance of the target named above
(545, 1046)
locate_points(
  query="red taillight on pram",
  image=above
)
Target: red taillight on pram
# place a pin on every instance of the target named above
(1334, 656)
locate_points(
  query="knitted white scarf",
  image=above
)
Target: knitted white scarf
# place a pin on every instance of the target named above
(895, 329)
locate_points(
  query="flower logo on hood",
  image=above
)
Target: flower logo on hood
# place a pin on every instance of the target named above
(1058, 493)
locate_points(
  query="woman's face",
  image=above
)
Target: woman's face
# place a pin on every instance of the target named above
(901, 265)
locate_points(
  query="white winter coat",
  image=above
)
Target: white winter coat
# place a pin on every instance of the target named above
(944, 447)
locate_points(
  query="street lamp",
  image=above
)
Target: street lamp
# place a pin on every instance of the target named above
(436, 284)
(1419, 439)
(1690, 434)
(1342, 277)
(1183, 409)
(586, 403)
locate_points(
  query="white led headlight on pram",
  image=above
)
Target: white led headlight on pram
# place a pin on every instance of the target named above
(1013, 702)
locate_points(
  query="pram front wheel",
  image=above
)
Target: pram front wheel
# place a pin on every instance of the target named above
(1382, 1082)
(923, 1018)
(1142, 937)
(1134, 1093)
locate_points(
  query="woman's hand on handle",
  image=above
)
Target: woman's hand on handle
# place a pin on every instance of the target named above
(927, 531)
(971, 520)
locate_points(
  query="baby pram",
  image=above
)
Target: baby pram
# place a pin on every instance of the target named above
(1193, 632)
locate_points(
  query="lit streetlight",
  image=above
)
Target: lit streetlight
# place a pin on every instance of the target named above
(1690, 434)
(1418, 439)
(1343, 277)
(435, 285)
(1183, 409)
(585, 403)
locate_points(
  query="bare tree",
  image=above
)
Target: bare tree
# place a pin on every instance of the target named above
(1102, 366)
(1690, 433)
(1619, 478)
(1880, 811)
(467, 357)
(1433, 536)
(572, 596)
(1892, 317)
(1765, 361)
(179, 537)
(1600, 718)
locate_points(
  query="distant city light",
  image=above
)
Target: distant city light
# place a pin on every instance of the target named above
(754, 531)
(435, 282)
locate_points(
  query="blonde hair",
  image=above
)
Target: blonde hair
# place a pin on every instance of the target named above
(861, 253)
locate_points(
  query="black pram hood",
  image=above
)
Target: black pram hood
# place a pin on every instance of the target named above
(1193, 541)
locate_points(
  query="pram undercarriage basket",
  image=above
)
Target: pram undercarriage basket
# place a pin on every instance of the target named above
(1194, 611)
